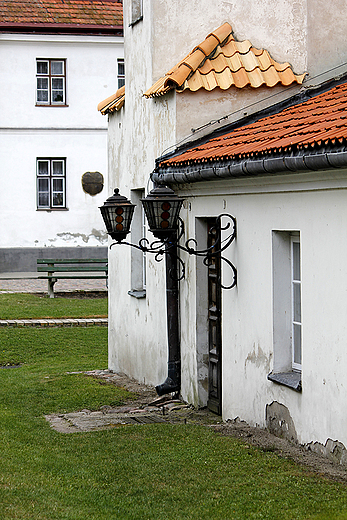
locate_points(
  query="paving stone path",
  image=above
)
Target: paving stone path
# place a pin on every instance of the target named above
(28, 282)
(145, 408)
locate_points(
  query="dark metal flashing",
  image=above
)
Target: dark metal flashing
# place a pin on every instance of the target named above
(139, 19)
(269, 165)
(290, 379)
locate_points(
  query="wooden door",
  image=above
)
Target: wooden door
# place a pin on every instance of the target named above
(214, 322)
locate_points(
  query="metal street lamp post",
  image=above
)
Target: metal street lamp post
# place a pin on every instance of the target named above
(162, 207)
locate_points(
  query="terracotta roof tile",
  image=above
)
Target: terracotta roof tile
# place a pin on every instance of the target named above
(221, 61)
(113, 103)
(321, 119)
(81, 12)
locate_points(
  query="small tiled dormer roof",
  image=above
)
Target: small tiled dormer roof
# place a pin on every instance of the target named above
(308, 126)
(59, 14)
(221, 61)
(113, 103)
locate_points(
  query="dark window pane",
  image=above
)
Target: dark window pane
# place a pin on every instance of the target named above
(57, 199)
(121, 68)
(42, 67)
(57, 184)
(57, 83)
(296, 261)
(43, 200)
(43, 168)
(57, 167)
(297, 302)
(43, 185)
(57, 96)
(42, 83)
(57, 67)
(297, 344)
(42, 95)
(121, 82)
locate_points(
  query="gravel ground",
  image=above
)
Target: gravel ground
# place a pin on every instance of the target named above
(28, 282)
(34, 285)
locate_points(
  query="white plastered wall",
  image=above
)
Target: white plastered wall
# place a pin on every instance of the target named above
(77, 132)
(316, 206)
(142, 131)
(145, 128)
(138, 134)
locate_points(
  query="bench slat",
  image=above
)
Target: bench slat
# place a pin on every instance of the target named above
(64, 277)
(66, 269)
(72, 261)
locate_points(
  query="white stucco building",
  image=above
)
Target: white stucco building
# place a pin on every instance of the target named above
(55, 66)
(277, 357)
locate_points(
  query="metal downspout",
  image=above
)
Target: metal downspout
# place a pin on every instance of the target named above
(173, 380)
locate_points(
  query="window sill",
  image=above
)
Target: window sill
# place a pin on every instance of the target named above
(138, 294)
(52, 209)
(55, 105)
(289, 379)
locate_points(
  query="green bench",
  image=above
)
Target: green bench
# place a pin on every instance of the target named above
(76, 269)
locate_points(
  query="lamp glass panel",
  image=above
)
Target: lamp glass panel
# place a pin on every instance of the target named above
(162, 214)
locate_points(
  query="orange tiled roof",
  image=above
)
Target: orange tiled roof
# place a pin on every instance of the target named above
(75, 12)
(221, 61)
(113, 103)
(322, 120)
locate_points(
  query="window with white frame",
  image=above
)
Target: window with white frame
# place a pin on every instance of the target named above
(138, 258)
(287, 321)
(51, 181)
(120, 72)
(296, 301)
(50, 82)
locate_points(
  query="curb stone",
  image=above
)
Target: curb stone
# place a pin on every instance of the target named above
(68, 322)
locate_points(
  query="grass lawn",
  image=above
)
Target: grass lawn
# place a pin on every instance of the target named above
(157, 471)
(25, 306)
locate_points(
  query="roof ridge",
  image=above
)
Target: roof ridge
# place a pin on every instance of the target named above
(185, 74)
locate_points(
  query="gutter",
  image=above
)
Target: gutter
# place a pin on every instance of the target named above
(187, 174)
(61, 28)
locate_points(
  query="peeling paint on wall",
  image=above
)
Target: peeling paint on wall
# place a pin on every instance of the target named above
(259, 358)
(333, 450)
(101, 236)
(279, 421)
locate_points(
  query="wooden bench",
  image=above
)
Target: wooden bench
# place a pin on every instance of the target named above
(77, 269)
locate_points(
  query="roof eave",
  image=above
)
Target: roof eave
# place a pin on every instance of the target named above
(328, 159)
(51, 28)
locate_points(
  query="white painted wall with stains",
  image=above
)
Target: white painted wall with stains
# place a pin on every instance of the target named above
(76, 132)
(316, 207)
(294, 31)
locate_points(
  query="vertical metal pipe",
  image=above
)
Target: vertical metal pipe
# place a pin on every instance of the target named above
(173, 380)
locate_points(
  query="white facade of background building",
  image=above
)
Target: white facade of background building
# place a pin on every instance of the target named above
(71, 132)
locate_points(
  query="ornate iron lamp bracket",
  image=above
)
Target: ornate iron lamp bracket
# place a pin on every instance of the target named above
(170, 246)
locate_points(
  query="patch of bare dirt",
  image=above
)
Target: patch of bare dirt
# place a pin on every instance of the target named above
(262, 439)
